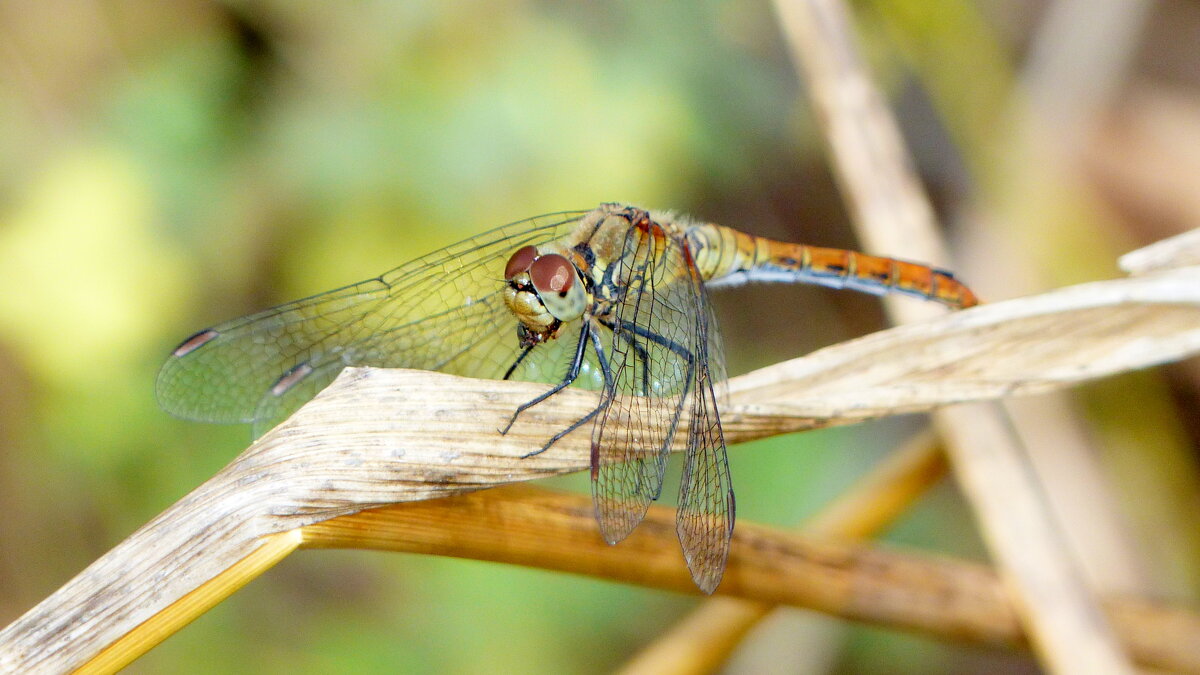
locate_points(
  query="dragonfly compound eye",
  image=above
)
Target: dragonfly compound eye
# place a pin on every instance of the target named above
(520, 261)
(558, 287)
(551, 274)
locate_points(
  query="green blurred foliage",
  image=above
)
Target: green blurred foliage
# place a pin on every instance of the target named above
(164, 166)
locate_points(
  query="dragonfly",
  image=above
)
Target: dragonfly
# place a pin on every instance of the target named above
(613, 300)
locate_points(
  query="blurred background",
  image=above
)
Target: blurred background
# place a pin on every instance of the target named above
(166, 166)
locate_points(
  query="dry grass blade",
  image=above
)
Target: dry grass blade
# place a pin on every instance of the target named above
(1181, 250)
(379, 437)
(1024, 346)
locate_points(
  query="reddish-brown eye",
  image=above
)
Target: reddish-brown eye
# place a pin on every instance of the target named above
(551, 273)
(520, 261)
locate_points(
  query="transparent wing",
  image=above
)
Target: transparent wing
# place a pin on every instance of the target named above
(442, 312)
(706, 505)
(653, 363)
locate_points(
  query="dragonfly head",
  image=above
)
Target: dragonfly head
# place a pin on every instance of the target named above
(543, 291)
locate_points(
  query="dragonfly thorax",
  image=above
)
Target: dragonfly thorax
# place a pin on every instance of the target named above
(543, 291)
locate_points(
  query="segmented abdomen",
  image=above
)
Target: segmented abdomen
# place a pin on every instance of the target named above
(727, 257)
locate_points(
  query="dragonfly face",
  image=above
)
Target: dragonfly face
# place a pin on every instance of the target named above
(543, 291)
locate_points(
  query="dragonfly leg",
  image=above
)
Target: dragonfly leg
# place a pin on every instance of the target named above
(572, 375)
(679, 350)
(605, 399)
(683, 353)
(511, 369)
(632, 334)
(642, 354)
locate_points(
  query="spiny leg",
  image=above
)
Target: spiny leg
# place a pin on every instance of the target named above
(679, 350)
(605, 400)
(572, 375)
(683, 353)
(643, 355)
(511, 369)
(627, 330)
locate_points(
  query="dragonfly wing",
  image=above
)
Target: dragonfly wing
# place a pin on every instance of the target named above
(706, 505)
(439, 312)
(652, 367)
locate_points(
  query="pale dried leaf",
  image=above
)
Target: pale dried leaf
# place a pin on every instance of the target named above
(1179, 251)
(1023, 346)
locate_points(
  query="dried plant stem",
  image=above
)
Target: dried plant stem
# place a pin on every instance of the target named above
(1078, 60)
(938, 596)
(893, 215)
